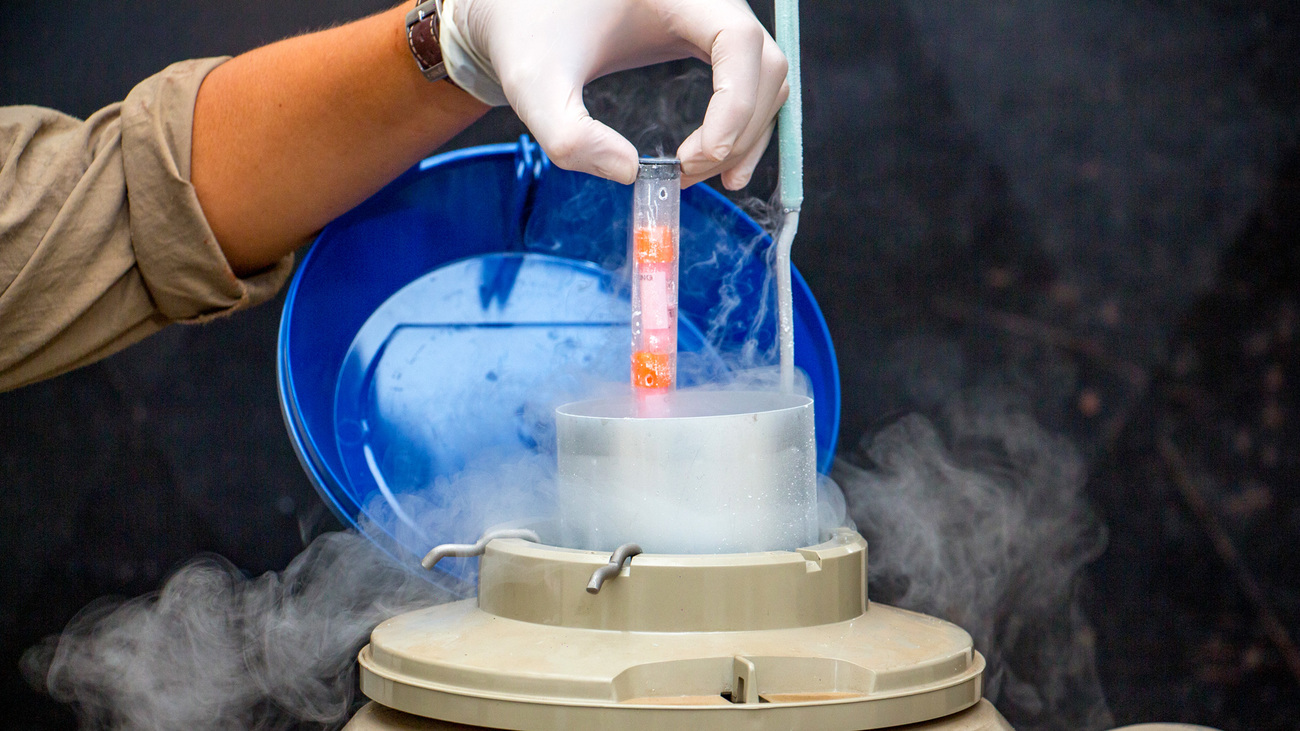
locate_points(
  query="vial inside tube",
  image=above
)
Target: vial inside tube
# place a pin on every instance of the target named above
(656, 206)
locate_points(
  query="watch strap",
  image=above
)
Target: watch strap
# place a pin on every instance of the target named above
(422, 34)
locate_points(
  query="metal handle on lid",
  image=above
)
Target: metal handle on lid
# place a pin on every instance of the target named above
(610, 570)
(466, 550)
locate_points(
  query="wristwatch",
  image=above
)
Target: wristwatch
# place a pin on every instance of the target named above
(422, 26)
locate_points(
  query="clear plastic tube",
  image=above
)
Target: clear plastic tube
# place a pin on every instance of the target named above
(656, 210)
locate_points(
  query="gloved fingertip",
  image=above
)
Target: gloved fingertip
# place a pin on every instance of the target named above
(619, 171)
(625, 176)
(610, 167)
(736, 179)
(621, 167)
(695, 163)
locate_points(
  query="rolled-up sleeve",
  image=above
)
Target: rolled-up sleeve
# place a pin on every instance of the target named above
(102, 239)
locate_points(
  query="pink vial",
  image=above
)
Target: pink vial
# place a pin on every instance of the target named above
(656, 206)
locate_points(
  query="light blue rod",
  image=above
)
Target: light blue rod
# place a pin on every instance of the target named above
(789, 130)
(790, 118)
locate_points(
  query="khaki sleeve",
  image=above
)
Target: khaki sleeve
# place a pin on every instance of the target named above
(102, 240)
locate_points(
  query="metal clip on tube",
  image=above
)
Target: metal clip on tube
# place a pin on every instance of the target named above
(622, 554)
(465, 550)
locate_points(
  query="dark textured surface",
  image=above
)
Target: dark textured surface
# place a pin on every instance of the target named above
(1181, 629)
(1090, 202)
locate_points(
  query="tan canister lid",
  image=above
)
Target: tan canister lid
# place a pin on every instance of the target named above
(541, 654)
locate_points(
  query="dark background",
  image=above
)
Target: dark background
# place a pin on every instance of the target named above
(1094, 202)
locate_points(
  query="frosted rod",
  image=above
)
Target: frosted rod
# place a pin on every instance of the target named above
(790, 186)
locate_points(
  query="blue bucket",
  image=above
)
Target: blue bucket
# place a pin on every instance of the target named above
(422, 325)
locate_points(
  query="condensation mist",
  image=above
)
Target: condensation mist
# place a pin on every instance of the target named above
(215, 650)
(979, 517)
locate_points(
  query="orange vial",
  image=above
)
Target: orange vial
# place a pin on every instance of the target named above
(656, 210)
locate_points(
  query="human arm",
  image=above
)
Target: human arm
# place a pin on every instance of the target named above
(102, 240)
(290, 136)
(181, 203)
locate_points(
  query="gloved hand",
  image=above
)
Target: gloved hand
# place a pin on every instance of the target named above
(537, 55)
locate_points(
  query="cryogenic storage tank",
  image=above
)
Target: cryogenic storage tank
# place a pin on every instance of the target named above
(418, 333)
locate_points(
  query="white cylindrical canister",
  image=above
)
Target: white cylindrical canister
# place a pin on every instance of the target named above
(721, 472)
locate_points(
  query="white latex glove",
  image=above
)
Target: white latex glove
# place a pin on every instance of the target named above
(537, 55)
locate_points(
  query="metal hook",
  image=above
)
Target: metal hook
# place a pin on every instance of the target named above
(464, 550)
(622, 554)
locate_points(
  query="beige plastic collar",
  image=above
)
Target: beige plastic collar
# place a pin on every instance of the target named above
(822, 584)
(779, 640)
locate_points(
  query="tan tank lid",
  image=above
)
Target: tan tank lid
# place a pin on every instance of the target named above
(374, 717)
(777, 640)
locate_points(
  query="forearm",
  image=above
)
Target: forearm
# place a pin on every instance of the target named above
(291, 135)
